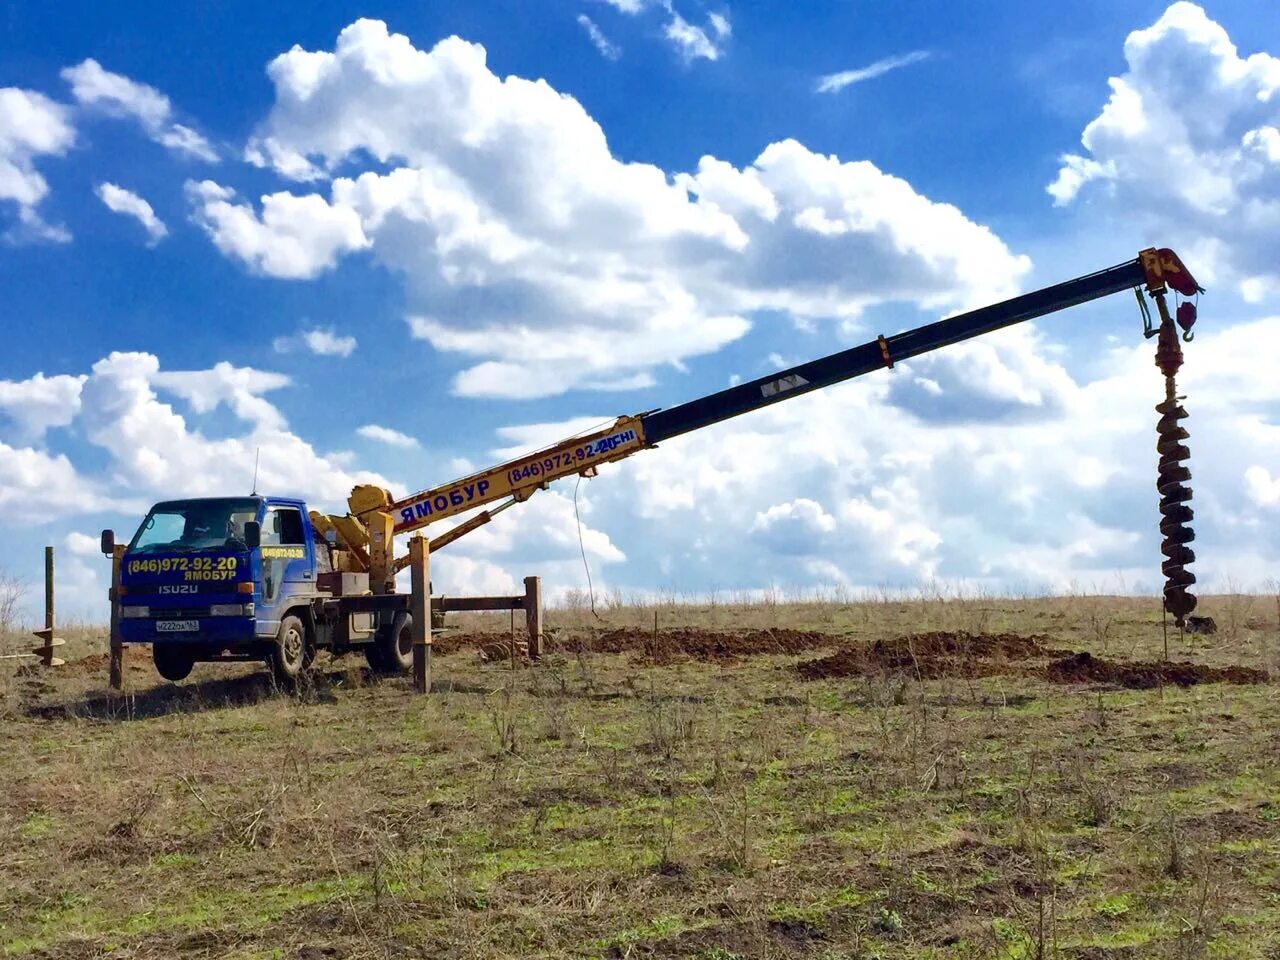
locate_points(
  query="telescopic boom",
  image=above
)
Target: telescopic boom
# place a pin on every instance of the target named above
(376, 517)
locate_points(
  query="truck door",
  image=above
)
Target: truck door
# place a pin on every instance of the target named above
(288, 560)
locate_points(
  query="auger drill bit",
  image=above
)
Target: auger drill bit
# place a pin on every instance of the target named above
(1173, 474)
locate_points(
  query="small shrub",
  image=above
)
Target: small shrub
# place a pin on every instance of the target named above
(887, 921)
(505, 726)
(1114, 907)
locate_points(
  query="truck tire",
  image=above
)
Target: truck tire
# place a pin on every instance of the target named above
(373, 654)
(290, 654)
(392, 650)
(172, 662)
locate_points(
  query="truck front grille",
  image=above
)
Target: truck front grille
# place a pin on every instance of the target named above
(179, 613)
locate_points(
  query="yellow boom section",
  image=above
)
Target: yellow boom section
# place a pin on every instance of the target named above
(518, 479)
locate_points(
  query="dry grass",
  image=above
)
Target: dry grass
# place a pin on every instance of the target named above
(594, 806)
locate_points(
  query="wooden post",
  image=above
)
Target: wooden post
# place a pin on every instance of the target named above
(533, 615)
(48, 597)
(420, 607)
(48, 642)
(115, 662)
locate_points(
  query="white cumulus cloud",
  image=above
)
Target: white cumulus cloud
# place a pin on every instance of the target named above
(117, 95)
(1262, 487)
(36, 486)
(797, 527)
(31, 126)
(293, 237)
(83, 545)
(533, 252)
(154, 450)
(39, 402)
(458, 574)
(1187, 148)
(241, 389)
(1003, 376)
(128, 203)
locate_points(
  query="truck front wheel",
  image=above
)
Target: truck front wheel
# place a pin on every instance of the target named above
(172, 661)
(289, 654)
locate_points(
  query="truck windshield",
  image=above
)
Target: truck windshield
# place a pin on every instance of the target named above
(195, 525)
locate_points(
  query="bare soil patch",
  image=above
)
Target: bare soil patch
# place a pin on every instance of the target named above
(1145, 675)
(930, 656)
(933, 655)
(663, 646)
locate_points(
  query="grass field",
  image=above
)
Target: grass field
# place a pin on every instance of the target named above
(690, 794)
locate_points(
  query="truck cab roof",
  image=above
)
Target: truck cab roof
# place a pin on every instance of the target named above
(255, 498)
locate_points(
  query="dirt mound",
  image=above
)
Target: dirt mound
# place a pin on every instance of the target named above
(933, 655)
(930, 655)
(97, 664)
(709, 645)
(661, 647)
(1144, 675)
(93, 664)
(445, 643)
(906, 651)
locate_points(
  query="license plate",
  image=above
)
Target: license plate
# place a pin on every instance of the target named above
(177, 626)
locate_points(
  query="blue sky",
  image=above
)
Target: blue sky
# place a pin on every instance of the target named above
(379, 236)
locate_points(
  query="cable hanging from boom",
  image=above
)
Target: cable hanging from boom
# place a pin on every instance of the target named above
(582, 546)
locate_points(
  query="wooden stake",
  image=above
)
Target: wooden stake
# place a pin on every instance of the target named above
(420, 608)
(533, 615)
(48, 642)
(48, 591)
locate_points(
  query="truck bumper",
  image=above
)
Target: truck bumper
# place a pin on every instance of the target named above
(210, 632)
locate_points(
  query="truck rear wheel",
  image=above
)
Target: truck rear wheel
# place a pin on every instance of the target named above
(290, 654)
(172, 661)
(392, 651)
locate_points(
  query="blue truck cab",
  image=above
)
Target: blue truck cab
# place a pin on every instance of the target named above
(246, 578)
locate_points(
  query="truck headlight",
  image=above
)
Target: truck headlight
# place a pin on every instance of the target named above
(135, 611)
(231, 610)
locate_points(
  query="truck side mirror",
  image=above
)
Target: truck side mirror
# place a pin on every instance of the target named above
(108, 542)
(253, 534)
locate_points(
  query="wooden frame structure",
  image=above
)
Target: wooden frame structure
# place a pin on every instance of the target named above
(530, 602)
